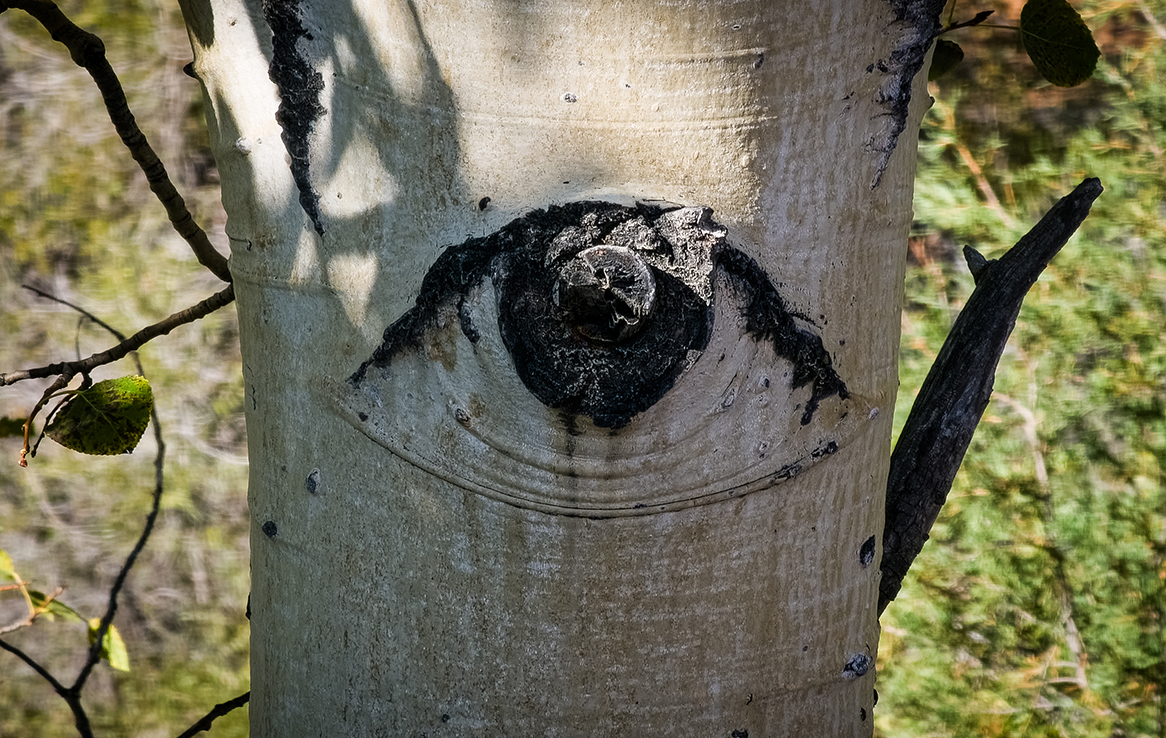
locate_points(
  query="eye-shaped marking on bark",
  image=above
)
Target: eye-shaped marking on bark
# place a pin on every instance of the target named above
(603, 306)
(613, 361)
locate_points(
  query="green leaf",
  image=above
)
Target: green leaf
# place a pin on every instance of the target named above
(108, 418)
(7, 569)
(1058, 42)
(11, 427)
(55, 608)
(113, 648)
(947, 55)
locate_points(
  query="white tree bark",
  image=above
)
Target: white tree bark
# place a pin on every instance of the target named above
(434, 550)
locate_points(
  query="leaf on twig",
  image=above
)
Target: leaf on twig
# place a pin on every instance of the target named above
(107, 418)
(113, 648)
(1058, 42)
(52, 608)
(947, 55)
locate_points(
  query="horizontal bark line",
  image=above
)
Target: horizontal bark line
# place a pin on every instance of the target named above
(958, 387)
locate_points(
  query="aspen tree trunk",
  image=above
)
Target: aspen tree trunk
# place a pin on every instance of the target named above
(441, 544)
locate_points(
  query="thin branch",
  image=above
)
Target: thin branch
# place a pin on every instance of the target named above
(49, 296)
(80, 719)
(72, 694)
(1144, 9)
(976, 20)
(88, 52)
(61, 689)
(993, 202)
(151, 518)
(71, 368)
(959, 385)
(219, 710)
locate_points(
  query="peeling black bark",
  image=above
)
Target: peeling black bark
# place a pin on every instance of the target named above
(562, 354)
(299, 86)
(959, 385)
(768, 319)
(920, 20)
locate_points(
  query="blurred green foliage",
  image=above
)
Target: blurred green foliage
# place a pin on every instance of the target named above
(77, 220)
(1037, 608)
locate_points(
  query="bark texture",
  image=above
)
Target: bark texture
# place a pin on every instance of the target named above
(438, 549)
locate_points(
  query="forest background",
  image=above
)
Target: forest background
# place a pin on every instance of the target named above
(1038, 608)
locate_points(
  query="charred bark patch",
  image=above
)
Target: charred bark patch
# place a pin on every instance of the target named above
(919, 20)
(768, 319)
(299, 87)
(602, 307)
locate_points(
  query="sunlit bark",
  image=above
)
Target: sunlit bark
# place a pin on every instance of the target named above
(434, 549)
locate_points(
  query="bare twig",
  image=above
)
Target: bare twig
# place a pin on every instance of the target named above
(69, 369)
(219, 710)
(72, 698)
(151, 517)
(88, 52)
(49, 296)
(975, 21)
(72, 694)
(959, 385)
(1053, 548)
(993, 202)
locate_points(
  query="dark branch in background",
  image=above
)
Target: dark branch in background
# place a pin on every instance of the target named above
(111, 609)
(72, 694)
(68, 369)
(959, 385)
(219, 710)
(975, 21)
(88, 52)
(49, 296)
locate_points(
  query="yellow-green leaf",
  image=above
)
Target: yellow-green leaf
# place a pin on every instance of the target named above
(107, 418)
(1058, 42)
(947, 55)
(113, 648)
(7, 569)
(54, 608)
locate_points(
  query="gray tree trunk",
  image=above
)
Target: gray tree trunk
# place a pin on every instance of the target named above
(515, 513)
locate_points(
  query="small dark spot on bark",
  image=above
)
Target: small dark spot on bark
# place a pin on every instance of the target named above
(363, 417)
(759, 61)
(866, 554)
(461, 416)
(445, 718)
(862, 714)
(805, 648)
(312, 483)
(858, 665)
(870, 68)
(483, 203)
(270, 529)
(739, 734)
